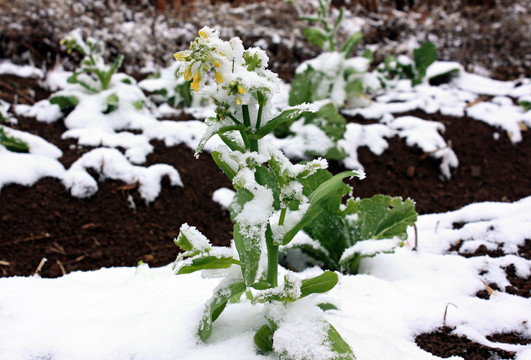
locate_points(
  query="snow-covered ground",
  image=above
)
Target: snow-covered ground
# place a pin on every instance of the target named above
(144, 313)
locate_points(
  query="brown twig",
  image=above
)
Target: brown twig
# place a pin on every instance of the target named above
(5, 263)
(60, 264)
(446, 312)
(414, 248)
(41, 264)
(30, 238)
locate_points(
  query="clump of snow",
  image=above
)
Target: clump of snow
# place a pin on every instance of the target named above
(223, 196)
(24, 71)
(110, 163)
(42, 110)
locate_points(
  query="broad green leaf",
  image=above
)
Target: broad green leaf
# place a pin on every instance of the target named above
(216, 305)
(315, 35)
(329, 120)
(383, 217)
(64, 102)
(349, 44)
(424, 56)
(208, 262)
(333, 233)
(355, 86)
(338, 345)
(304, 85)
(264, 339)
(319, 284)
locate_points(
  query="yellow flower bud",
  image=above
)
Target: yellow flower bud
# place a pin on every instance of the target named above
(188, 73)
(216, 63)
(238, 101)
(219, 78)
(240, 89)
(62, 42)
(179, 56)
(195, 85)
(203, 34)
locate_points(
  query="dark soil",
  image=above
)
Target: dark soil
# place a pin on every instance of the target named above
(444, 344)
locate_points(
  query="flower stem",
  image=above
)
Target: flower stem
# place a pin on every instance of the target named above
(272, 259)
(282, 216)
(253, 143)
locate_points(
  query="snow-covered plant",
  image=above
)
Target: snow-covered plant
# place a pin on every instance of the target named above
(403, 67)
(325, 34)
(270, 206)
(342, 235)
(167, 86)
(93, 76)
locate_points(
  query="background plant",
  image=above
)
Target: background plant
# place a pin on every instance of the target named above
(167, 86)
(270, 206)
(94, 76)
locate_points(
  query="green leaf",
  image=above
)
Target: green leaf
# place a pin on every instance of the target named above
(106, 77)
(285, 116)
(186, 94)
(264, 339)
(12, 143)
(525, 104)
(315, 35)
(304, 86)
(218, 159)
(329, 120)
(424, 56)
(327, 306)
(349, 44)
(312, 182)
(208, 262)
(112, 103)
(338, 345)
(355, 86)
(319, 284)
(334, 234)
(384, 217)
(216, 305)
(250, 250)
(266, 177)
(65, 102)
(138, 105)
